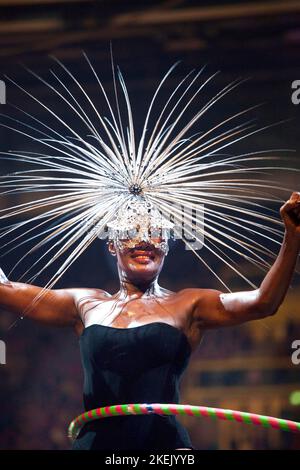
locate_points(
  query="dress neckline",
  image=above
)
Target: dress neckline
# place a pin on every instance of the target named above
(137, 327)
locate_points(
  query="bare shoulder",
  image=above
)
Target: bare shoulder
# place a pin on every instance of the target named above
(196, 307)
(197, 295)
(83, 294)
(202, 305)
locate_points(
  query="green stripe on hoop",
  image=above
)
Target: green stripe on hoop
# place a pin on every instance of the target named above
(181, 411)
(212, 413)
(246, 418)
(113, 410)
(124, 408)
(196, 410)
(94, 414)
(102, 412)
(264, 421)
(166, 410)
(283, 424)
(229, 415)
(137, 408)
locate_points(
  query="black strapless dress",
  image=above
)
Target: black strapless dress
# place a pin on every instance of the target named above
(143, 364)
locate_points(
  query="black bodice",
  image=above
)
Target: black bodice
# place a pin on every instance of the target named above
(143, 364)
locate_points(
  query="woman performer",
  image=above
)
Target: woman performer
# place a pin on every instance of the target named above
(135, 344)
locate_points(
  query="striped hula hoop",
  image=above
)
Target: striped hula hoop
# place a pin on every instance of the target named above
(174, 409)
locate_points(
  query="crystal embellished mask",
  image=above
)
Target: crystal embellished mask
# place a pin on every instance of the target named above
(138, 222)
(130, 243)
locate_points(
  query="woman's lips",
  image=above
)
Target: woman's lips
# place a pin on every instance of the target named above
(142, 259)
(143, 256)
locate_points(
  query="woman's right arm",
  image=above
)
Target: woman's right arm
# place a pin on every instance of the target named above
(55, 307)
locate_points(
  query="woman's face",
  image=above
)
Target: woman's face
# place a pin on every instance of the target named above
(141, 262)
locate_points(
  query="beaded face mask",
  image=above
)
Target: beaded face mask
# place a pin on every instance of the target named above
(140, 222)
(158, 242)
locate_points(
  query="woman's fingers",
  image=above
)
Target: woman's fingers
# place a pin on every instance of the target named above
(290, 211)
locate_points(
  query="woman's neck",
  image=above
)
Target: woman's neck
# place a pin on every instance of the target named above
(130, 288)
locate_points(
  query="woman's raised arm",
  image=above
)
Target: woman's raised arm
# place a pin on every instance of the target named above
(213, 308)
(55, 307)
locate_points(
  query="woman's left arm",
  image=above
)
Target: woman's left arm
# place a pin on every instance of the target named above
(214, 308)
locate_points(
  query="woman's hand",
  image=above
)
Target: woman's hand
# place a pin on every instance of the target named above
(290, 214)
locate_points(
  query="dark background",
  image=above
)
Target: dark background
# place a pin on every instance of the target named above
(248, 367)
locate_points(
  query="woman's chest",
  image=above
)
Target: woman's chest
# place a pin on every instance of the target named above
(135, 312)
(124, 314)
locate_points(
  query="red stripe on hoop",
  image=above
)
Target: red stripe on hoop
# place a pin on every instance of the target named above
(292, 425)
(237, 416)
(221, 414)
(144, 409)
(274, 423)
(107, 411)
(157, 408)
(119, 410)
(203, 411)
(255, 419)
(188, 411)
(173, 409)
